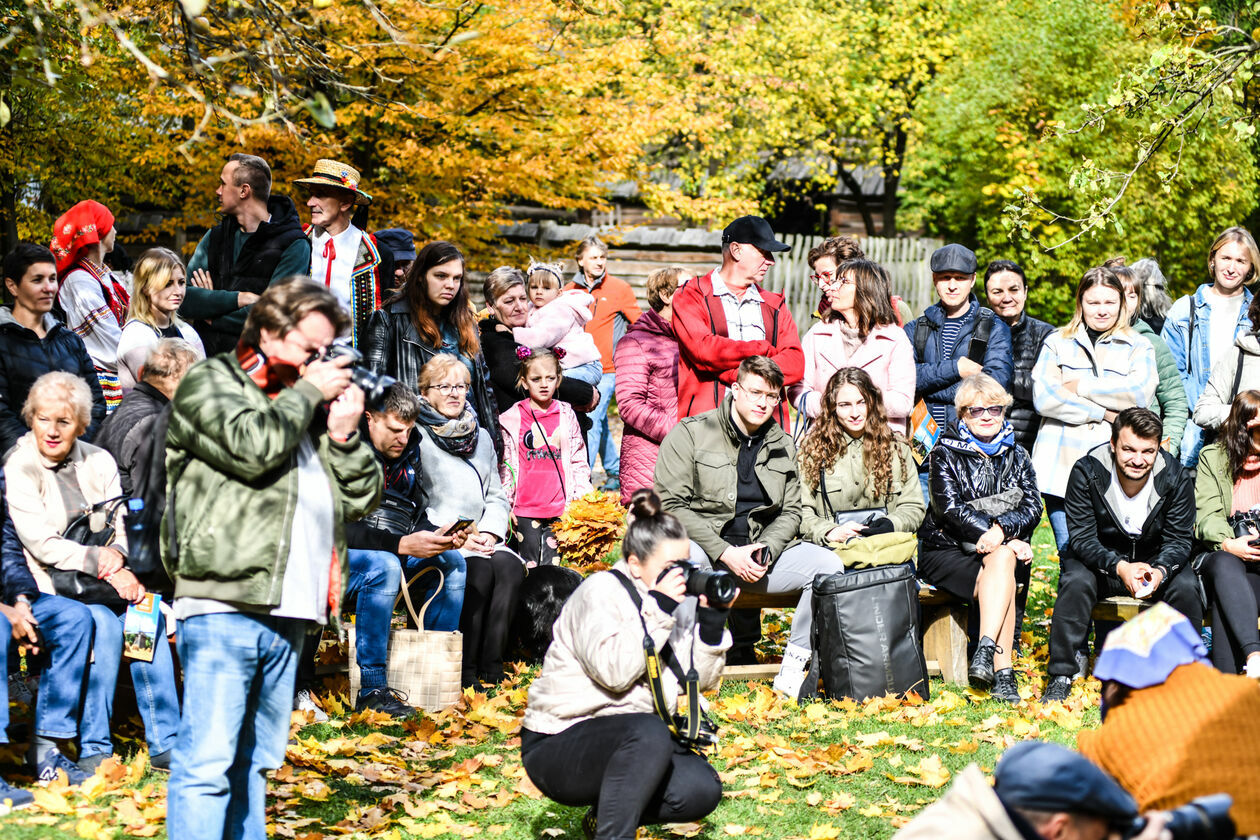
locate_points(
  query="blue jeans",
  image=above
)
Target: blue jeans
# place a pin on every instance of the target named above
(239, 671)
(601, 441)
(444, 612)
(374, 580)
(591, 373)
(1058, 521)
(67, 629)
(156, 695)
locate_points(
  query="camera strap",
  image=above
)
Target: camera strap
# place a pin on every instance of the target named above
(690, 681)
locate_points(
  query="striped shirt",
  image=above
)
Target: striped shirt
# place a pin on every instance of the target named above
(948, 338)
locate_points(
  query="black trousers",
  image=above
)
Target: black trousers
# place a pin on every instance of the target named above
(492, 590)
(1080, 588)
(628, 766)
(1234, 588)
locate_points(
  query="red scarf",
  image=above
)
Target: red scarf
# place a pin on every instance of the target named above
(84, 224)
(273, 377)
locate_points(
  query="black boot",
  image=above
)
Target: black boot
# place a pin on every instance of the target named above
(1057, 690)
(1004, 687)
(980, 674)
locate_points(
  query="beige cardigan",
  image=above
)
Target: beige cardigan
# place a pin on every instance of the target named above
(595, 664)
(39, 514)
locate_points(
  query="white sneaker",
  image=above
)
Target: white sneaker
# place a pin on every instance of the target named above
(792, 672)
(305, 702)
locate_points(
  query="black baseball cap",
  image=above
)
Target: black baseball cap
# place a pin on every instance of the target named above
(1041, 776)
(398, 241)
(753, 230)
(954, 258)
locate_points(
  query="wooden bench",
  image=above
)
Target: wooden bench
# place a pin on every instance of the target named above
(944, 634)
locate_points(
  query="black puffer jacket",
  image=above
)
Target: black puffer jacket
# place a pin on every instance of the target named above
(395, 348)
(499, 348)
(25, 357)
(1027, 336)
(960, 473)
(1095, 536)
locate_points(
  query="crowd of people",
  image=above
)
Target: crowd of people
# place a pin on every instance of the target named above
(284, 492)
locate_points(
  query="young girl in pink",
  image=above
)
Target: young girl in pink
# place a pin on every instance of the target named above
(558, 322)
(544, 457)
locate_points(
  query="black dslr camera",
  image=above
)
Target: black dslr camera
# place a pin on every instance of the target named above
(719, 587)
(373, 385)
(1244, 523)
(1205, 818)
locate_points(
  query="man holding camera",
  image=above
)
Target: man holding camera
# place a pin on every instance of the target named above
(1130, 512)
(265, 463)
(1040, 791)
(730, 476)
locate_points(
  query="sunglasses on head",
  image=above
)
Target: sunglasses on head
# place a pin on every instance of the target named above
(978, 411)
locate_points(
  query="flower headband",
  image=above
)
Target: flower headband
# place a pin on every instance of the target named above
(550, 268)
(523, 353)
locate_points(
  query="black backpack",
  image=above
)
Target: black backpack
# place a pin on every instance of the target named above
(976, 349)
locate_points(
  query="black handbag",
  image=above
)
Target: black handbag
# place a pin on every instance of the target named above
(861, 516)
(865, 636)
(80, 586)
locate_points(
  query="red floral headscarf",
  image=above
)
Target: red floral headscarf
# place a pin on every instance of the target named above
(84, 224)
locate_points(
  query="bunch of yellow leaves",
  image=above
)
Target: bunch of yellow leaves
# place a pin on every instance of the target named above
(590, 528)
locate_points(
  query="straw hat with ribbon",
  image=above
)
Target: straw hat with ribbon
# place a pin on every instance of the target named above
(331, 173)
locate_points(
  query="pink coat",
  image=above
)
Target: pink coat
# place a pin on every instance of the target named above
(562, 323)
(886, 355)
(574, 471)
(646, 360)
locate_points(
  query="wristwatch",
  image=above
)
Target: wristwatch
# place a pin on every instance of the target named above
(22, 599)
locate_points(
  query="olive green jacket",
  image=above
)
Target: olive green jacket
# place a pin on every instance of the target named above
(848, 489)
(696, 480)
(231, 463)
(1213, 497)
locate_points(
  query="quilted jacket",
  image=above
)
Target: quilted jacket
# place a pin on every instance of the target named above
(647, 397)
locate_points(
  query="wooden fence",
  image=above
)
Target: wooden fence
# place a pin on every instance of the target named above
(635, 253)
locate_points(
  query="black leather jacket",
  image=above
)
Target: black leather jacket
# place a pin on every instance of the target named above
(959, 473)
(1027, 336)
(1095, 536)
(395, 348)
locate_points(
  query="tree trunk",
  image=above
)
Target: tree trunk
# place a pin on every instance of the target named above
(892, 177)
(868, 219)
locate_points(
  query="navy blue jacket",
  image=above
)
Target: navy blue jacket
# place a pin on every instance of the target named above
(936, 376)
(15, 575)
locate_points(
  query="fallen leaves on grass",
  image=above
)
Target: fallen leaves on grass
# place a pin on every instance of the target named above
(589, 529)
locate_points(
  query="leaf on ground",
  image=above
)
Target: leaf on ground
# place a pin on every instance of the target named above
(824, 831)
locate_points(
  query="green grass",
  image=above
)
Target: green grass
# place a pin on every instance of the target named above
(768, 794)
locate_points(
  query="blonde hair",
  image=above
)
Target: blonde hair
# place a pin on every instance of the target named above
(1242, 237)
(438, 367)
(1100, 276)
(63, 386)
(980, 389)
(154, 271)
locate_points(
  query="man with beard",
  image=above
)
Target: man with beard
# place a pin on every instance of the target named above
(1130, 512)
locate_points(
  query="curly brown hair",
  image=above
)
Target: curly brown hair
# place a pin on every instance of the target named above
(826, 438)
(1235, 436)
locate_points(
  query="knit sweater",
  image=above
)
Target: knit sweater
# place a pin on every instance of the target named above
(1192, 735)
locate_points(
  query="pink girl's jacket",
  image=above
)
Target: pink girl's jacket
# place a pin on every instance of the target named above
(561, 324)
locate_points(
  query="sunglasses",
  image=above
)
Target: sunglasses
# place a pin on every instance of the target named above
(977, 411)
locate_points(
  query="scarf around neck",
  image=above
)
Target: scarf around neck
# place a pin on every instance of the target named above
(457, 436)
(272, 377)
(1003, 440)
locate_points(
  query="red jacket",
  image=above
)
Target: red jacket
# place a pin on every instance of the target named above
(708, 359)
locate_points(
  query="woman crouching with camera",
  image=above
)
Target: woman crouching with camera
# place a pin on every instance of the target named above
(591, 735)
(1227, 495)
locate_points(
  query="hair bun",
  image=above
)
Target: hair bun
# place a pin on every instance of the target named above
(645, 504)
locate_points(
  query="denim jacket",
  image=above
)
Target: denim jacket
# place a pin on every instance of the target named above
(1194, 362)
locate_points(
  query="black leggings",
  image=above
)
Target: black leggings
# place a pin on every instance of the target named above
(1234, 586)
(628, 767)
(491, 592)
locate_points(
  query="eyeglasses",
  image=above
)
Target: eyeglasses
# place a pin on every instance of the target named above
(761, 396)
(977, 411)
(447, 390)
(829, 279)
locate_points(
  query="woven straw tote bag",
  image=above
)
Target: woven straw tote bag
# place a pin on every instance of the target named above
(423, 664)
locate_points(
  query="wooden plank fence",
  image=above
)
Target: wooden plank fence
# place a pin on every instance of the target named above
(635, 253)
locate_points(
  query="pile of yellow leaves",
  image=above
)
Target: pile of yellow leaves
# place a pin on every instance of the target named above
(590, 528)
